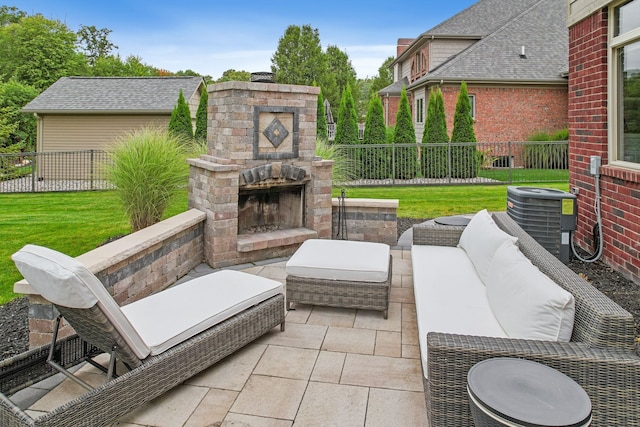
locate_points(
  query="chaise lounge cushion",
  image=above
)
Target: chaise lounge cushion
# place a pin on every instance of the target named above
(527, 303)
(341, 260)
(481, 239)
(176, 314)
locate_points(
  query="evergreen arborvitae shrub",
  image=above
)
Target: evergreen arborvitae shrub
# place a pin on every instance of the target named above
(375, 160)
(347, 128)
(201, 117)
(434, 158)
(464, 159)
(180, 122)
(321, 119)
(347, 125)
(405, 157)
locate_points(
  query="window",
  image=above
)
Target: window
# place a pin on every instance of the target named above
(472, 100)
(420, 110)
(624, 117)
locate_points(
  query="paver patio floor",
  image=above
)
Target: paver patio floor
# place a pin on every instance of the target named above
(331, 366)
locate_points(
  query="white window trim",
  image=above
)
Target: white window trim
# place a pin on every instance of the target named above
(613, 71)
(418, 112)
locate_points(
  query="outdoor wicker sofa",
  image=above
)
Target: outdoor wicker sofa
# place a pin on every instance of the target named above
(600, 356)
(172, 346)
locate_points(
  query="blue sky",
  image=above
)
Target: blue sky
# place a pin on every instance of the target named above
(210, 37)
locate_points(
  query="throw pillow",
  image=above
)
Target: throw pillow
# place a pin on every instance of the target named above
(480, 240)
(525, 301)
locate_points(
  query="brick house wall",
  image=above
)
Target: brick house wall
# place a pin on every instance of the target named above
(620, 188)
(511, 113)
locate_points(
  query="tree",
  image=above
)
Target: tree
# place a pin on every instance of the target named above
(340, 69)
(233, 75)
(405, 157)
(10, 15)
(375, 160)
(321, 121)
(201, 116)
(347, 122)
(17, 129)
(463, 158)
(299, 59)
(434, 159)
(37, 51)
(94, 43)
(384, 77)
(180, 121)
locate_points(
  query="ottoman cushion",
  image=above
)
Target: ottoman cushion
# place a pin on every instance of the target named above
(341, 260)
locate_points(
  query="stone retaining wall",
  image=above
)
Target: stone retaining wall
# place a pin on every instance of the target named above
(367, 220)
(131, 268)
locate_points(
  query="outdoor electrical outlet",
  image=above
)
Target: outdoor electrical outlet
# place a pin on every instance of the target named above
(575, 190)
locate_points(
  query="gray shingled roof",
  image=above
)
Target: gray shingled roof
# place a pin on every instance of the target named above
(540, 28)
(394, 88)
(91, 95)
(481, 18)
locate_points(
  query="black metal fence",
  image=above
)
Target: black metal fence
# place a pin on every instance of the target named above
(455, 163)
(53, 171)
(367, 165)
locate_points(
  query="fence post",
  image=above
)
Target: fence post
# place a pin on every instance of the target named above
(449, 162)
(510, 162)
(393, 164)
(91, 169)
(34, 157)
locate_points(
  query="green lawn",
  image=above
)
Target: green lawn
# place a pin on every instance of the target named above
(72, 223)
(75, 223)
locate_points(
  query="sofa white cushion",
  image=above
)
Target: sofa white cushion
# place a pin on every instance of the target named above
(449, 296)
(480, 240)
(176, 314)
(65, 281)
(526, 302)
(341, 260)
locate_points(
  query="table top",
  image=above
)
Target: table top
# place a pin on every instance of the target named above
(458, 220)
(528, 393)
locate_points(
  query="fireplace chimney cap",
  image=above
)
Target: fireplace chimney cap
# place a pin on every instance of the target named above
(263, 77)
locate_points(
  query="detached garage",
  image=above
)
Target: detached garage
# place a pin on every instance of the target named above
(89, 113)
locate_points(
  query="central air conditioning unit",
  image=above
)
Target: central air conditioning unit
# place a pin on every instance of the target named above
(546, 214)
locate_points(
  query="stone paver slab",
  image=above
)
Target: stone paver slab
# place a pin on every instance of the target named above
(332, 405)
(396, 408)
(348, 340)
(382, 372)
(287, 362)
(270, 397)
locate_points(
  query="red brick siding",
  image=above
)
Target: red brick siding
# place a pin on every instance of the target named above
(620, 188)
(511, 113)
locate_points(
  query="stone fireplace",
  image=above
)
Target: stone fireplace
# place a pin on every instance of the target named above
(261, 185)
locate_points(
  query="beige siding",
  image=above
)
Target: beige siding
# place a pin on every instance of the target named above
(406, 69)
(441, 50)
(83, 132)
(580, 9)
(89, 132)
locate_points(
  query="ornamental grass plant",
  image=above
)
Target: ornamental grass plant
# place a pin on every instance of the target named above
(148, 168)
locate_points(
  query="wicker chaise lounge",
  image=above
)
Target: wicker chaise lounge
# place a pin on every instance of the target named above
(164, 339)
(600, 355)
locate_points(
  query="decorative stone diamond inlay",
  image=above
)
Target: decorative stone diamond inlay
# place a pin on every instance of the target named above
(276, 132)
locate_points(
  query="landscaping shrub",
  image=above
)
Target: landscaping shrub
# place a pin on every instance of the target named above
(342, 164)
(405, 157)
(201, 117)
(542, 151)
(433, 159)
(375, 160)
(148, 168)
(180, 121)
(463, 157)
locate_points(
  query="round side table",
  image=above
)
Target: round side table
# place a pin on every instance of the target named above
(516, 392)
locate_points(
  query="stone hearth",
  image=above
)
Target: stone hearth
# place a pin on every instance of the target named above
(261, 185)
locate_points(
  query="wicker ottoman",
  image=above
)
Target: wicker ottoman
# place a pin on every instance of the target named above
(340, 273)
